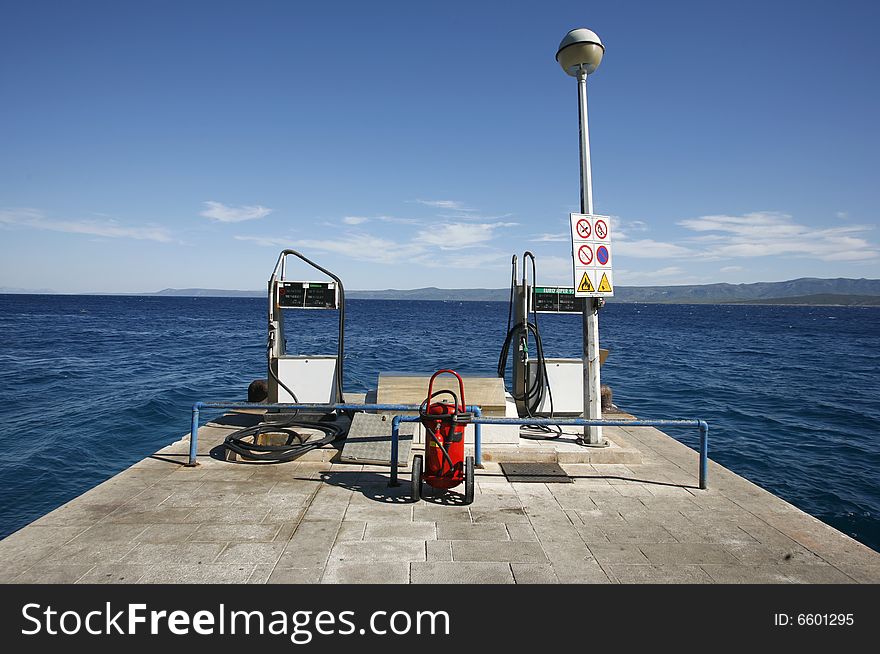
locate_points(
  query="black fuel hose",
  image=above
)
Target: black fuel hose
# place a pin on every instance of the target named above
(243, 442)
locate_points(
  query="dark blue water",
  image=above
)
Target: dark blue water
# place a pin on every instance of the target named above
(90, 385)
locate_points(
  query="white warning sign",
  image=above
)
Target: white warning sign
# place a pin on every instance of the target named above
(591, 255)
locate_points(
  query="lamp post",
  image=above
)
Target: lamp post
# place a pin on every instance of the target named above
(580, 54)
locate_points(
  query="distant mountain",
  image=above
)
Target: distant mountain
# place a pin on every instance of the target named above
(6, 290)
(434, 293)
(827, 299)
(807, 290)
(206, 292)
(720, 293)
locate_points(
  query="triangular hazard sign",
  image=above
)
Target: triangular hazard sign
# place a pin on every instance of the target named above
(604, 286)
(586, 286)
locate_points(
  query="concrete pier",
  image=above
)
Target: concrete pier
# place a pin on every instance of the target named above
(314, 521)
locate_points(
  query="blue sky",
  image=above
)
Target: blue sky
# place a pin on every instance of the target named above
(146, 145)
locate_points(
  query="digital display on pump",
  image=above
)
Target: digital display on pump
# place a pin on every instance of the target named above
(307, 295)
(556, 299)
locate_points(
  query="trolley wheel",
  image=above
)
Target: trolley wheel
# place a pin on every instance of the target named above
(469, 480)
(417, 477)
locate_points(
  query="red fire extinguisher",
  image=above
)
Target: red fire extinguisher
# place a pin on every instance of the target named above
(444, 465)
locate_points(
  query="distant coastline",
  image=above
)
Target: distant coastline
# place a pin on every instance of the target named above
(807, 291)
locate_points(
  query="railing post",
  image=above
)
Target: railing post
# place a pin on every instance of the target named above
(704, 453)
(194, 436)
(478, 439)
(395, 433)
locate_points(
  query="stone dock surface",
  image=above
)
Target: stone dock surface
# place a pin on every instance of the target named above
(314, 521)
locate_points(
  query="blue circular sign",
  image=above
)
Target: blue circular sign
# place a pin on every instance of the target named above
(602, 254)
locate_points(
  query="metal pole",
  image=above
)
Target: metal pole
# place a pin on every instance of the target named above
(704, 453)
(592, 383)
(194, 436)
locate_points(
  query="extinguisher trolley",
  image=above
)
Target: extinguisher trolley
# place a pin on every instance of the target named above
(444, 464)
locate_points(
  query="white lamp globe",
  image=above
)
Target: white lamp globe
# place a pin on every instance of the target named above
(581, 48)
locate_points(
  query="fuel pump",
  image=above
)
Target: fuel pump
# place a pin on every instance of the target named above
(541, 386)
(303, 378)
(295, 378)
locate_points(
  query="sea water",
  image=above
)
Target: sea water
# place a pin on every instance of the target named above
(91, 384)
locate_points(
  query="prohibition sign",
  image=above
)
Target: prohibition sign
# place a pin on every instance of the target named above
(601, 229)
(602, 254)
(585, 255)
(583, 228)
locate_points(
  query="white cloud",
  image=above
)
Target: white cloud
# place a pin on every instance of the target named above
(360, 220)
(266, 241)
(224, 214)
(456, 236)
(762, 234)
(552, 238)
(451, 205)
(730, 269)
(667, 276)
(649, 249)
(35, 219)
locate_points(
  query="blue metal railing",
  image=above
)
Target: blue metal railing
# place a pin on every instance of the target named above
(198, 406)
(580, 422)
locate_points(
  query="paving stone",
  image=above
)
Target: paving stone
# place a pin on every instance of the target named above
(425, 512)
(376, 512)
(366, 573)
(458, 572)
(472, 531)
(586, 572)
(663, 574)
(817, 574)
(158, 515)
(521, 532)
(438, 550)
(295, 575)
(93, 553)
(114, 573)
(110, 533)
(261, 573)
(686, 553)
(378, 551)
(210, 573)
(409, 531)
(864, 574)
(747, 574)
(173, 553)
(351, 530)
(167, 533)
(53, 574)
(228, 515)
(310, 544)
(757, 554)
(563, 552)
(234, 533)
(534, 573)
(254, 553)
(612, 553)
(501, 551)
(502, 514)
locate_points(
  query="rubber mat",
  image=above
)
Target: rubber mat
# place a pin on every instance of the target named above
(369, 441)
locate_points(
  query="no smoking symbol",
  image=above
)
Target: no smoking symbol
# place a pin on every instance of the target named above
(601, 229)
(583, 228)
(585, 255)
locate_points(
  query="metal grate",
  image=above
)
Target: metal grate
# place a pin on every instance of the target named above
(369, 441)
(546, 473)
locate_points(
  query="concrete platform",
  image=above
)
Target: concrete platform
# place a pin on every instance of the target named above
(319, 522)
